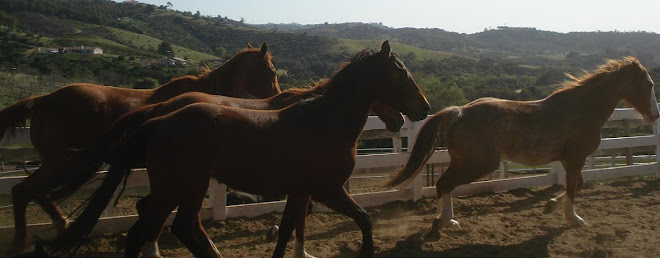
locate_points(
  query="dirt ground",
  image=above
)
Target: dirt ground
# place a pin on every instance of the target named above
(623, 217)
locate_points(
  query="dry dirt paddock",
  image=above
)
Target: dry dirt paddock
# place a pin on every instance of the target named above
(623, 217)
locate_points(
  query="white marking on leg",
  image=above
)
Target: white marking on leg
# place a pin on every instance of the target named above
(570, 215)
(150, 249)
(299, 250)
(446, 210)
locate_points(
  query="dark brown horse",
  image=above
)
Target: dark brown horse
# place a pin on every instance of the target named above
(76, 115)
(306, 151)
(564, 127)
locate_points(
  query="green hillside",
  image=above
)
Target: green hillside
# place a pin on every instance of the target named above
(452, 68)
(354, 45)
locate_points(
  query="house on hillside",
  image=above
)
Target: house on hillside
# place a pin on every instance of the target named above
(177, 61)
(81, 50)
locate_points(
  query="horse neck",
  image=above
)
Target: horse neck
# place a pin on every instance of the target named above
(222, 81)
(596, 100)
(288, 98)
(175, 88)
(345, 108)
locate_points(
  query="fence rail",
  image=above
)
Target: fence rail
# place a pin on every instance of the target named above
(375, 129)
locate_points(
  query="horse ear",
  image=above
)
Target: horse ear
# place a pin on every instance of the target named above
(249, 45)
(264, 48)
(385, 47)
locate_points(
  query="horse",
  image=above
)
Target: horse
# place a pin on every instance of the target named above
(565, 126)
(306, 151)
(75, 115)
(125, 126)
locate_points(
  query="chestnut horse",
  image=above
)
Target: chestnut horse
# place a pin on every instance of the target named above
(74, 116)
(306, 151)
(564, 126)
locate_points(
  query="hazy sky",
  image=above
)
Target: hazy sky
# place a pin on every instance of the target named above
(466, 16)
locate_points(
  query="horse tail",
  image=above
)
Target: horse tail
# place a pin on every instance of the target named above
(86, 162)
(428, 138)
(68, 242)
(15, 115)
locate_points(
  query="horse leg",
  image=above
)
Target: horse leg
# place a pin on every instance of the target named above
(22, 194)
(293, 217)
(187, 225)
(134, 239)
(144, 233)
(300, 217)
(573, 181)
(551, 205)
(20, 199)
(54, 212)
(134, 236)
(458, 174)
(340, 201)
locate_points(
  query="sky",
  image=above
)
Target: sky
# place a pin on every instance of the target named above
(463, 16)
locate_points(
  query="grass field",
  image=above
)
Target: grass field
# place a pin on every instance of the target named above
(135, 40)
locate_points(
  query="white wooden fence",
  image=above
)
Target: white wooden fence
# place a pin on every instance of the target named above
(374, 129)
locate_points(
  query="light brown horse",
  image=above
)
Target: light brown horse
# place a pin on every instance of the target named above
(306, 151)
(74, 116)
(564, 126)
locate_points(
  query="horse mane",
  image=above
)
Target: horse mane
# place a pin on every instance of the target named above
(344, 72)
(610, 67)
(320, 86)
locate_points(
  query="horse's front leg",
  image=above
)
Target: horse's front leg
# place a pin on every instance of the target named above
(574, 182)
(339, 200)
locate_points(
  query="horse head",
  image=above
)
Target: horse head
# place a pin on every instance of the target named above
(252, 69)
(398, 89)
(640, 93)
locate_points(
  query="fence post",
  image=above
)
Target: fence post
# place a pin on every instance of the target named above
(559, 172)
(591, 162)
(504, 169)
(656, 132)
(629, 153)
(218, 199)
(417, 183)
(397, 145)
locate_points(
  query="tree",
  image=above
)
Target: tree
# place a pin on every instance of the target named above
(196, 15)
(169, 5)
(164, 48)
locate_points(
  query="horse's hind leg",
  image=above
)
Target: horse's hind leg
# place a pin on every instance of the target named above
(458, 174)
(294, 216)
(187, 225)
(574, 182)
(340, 201)
(144, 233)
(20, 199)
(22, 194)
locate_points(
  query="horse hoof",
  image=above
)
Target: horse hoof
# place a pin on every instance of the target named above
(550, 207)
(272, 233)
(579, 223)
(306, 255)
(439, 224)
(453, 224)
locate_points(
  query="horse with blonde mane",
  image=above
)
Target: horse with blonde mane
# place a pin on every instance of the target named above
(564, 126)
(75, 116)
(306, 151)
